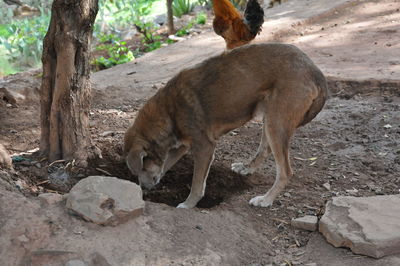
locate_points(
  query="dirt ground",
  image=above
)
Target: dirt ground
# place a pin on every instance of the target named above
(353, 145)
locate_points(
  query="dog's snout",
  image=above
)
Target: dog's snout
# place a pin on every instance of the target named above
(147, 185)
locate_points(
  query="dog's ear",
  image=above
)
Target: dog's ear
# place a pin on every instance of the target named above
(134, 160)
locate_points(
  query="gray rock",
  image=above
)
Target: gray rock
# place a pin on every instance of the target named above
(99, 260)
(327, 186)
(105, 200)
(160, 19)
(75, 263)
(307, 222)
(50, 198)
(5, 158)
(368, 226)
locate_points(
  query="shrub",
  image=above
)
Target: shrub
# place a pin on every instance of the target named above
(117, 52)
(23, 39)
(201, 18)
(182, 7)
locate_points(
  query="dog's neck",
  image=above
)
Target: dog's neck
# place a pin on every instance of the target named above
(162, 135)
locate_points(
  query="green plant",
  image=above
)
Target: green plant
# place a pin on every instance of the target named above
(185, 30)
(203, 2)
(153, 46)
(182, 7)
(23, 40)
(147, 29)
(118, 53)
(5, 67)
(115, 16)
(201, 18)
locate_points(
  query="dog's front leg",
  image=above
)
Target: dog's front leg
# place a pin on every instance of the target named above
(203, 157)
(173, 156)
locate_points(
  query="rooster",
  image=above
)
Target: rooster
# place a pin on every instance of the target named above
(236, 29)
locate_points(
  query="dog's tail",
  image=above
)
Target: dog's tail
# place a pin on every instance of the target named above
(319, 101)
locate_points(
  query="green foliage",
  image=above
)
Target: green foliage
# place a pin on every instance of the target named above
(23, 39)
(153, 46)
(6, 14)
(201, 18)
(182, 7)
(114, 16)
(5, 67)
(185, 30)
(203, 2)
(147, 29)
(117, 52)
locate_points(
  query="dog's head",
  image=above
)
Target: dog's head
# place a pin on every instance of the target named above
(144, 162)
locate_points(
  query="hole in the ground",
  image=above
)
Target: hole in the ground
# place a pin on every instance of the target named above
(174, 187)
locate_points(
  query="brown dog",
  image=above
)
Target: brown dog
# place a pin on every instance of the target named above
(206, 101)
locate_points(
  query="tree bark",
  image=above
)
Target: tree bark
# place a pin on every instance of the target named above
(65, 89)
(170, 14)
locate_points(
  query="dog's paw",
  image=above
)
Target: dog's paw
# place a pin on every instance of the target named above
(261, 201)
(242, 169)
(184, 205)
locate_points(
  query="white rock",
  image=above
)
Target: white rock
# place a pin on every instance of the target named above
(105, 200)
(327, 186)
(5, 158)
(368, 226)
(107, 133)
(307, 222)
(23, 239)
(50, 198)
(176, 38)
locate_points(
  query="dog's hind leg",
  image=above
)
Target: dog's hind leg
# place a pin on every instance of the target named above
(263, 151)
(203, 155)
(278, 134)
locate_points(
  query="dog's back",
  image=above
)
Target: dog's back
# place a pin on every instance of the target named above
(227, 89)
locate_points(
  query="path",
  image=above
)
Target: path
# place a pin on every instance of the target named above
(338, 35)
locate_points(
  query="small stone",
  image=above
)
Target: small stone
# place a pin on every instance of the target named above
(352, 192)
(176, 38)
(327, 186)
(20, 184)
(5, 158)
(107, 133)
(287, 195)
(23, 239)
(75, 263)
(198, 227)
(311, 264)
(50, 198)
(99, 260)
(307, 222)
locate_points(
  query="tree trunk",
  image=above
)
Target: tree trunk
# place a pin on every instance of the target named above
(65, 90)
(170, 13)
